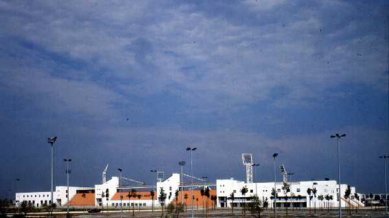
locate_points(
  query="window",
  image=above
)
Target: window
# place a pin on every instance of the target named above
(298, 189)
(132, 204)
(234, 191)
(251, 191)
(144, 204)
(113, 204)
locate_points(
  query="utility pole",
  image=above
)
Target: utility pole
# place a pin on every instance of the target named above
(275, 182)
(51, 141)
(385, 157)
(191, 173)
(68, 171)
(338, 137)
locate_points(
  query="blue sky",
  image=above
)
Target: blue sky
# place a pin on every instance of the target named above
(133, 83)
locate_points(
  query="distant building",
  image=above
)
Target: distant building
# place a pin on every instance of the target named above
(110, 194)
(40, 199)
(296, 196)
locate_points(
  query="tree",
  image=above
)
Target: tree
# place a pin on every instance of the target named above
(347, 194)
(321, 198)
(274, 195)
(26, 207)
(214, 200)
(178, 206)
(356, 196)
(207, 194)
(286, 189)
(265, 203)
(162, 198)
(139, 197)
(314, 191)
(255, 206)
(327, 197)
(152, 194)
(186, 198)
(133, 195)
(244, 190)
(107, 196)
(232, 197)
(309, 192)
(202, 193)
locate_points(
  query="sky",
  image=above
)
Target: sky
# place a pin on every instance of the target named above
(133, 83)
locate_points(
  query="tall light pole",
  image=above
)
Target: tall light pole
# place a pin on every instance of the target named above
(275, 181)
(182, 164)
(68, 171)
(51, 141)
(16, 191)
(385, 157)
(191, 149)
(338, 137)
(255, 165)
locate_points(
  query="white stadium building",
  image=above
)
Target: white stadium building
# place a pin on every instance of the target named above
(225, 193)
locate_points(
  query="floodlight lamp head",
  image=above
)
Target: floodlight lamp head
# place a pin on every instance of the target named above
(188, 148)
(275, 155)
(181, 163)
(332, 136)
(120, 170)
(51, 140)
(247, 159)
(194, 149)
(343, 135)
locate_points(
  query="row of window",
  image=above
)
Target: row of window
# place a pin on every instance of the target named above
(265, 190)
(42, 202)
(128, 204)
(31, 196)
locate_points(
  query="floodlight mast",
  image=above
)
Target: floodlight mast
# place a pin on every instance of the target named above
(191, 149)
(338, 137)
(275, 187)
(68, 171)
(247, 160)
(51, 141)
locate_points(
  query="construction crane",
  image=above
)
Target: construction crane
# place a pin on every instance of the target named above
(104, 175)
(284, 174)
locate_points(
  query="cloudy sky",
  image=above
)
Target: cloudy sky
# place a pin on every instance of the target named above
(133, 83)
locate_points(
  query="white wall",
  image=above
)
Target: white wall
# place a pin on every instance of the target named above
(170, 186)
(111, 185)
(225, 187)
(38, 199)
